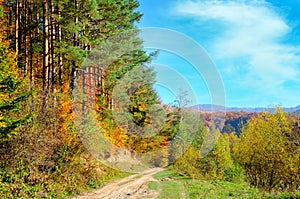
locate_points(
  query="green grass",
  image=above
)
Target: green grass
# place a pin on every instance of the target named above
(167, 189)
(172, 185)
(219, 189)
(168, 173)
(153, 186)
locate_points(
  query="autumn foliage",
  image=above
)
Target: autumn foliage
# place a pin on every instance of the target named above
(267, 152)
(43, 47)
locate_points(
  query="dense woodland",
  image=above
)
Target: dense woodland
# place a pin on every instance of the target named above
(43, 46)
(43, 49)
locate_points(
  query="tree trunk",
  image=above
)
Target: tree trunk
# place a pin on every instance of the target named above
(75, 43)
(60, 59)
(52, 63)
(17, 20)
(45, 50)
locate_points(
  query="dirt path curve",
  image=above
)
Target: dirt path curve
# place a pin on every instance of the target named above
(131, 187)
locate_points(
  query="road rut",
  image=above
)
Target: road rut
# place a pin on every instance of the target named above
(131, 187)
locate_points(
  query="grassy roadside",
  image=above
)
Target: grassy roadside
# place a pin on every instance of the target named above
(55, 189)
(99, 184)
(174, 186)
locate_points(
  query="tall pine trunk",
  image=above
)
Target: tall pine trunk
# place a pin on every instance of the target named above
(75, 44)
(45, 51)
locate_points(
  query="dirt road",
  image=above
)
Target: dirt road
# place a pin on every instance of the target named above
(131, 187)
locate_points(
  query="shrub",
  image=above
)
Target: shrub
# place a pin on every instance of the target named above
(265, 152)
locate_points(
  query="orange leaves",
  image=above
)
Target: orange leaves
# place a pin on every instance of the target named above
(65, 106)
(118, 137)
(164, 143)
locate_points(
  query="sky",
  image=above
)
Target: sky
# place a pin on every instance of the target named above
(254, 45)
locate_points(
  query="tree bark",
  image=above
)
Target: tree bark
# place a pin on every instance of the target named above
(45, 50)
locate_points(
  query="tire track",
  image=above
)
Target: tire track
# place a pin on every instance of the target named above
(131, 187)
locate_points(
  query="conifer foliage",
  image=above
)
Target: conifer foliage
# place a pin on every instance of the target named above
(11, 95)
(43, 46)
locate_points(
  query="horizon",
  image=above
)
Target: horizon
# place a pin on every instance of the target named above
(247, 107)
(254, 107)
(255, 46)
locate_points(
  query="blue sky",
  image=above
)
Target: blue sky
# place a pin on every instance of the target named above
(255, 46)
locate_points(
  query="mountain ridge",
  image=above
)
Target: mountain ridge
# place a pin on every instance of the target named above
(219, 108)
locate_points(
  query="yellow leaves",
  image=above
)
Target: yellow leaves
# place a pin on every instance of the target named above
(141, 106)
(263, 149)
(2, 96)
(222, 155)
(3, 124)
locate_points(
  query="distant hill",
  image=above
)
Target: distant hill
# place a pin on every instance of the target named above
(218, 108)
(296, 113)
(235, 118)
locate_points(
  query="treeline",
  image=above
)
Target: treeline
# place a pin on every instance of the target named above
(43, 49)
(266, 155)
(233, 122)
(52, 37)
(51, 49)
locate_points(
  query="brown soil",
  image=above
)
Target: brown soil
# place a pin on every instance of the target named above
(131, 187)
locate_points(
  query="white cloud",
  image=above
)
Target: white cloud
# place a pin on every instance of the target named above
(254, 32)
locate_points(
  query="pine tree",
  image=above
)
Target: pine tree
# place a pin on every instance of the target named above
(11, 96)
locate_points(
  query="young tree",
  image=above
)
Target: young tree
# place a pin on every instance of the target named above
(264, 151)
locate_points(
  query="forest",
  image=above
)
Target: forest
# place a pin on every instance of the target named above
(44, 50)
